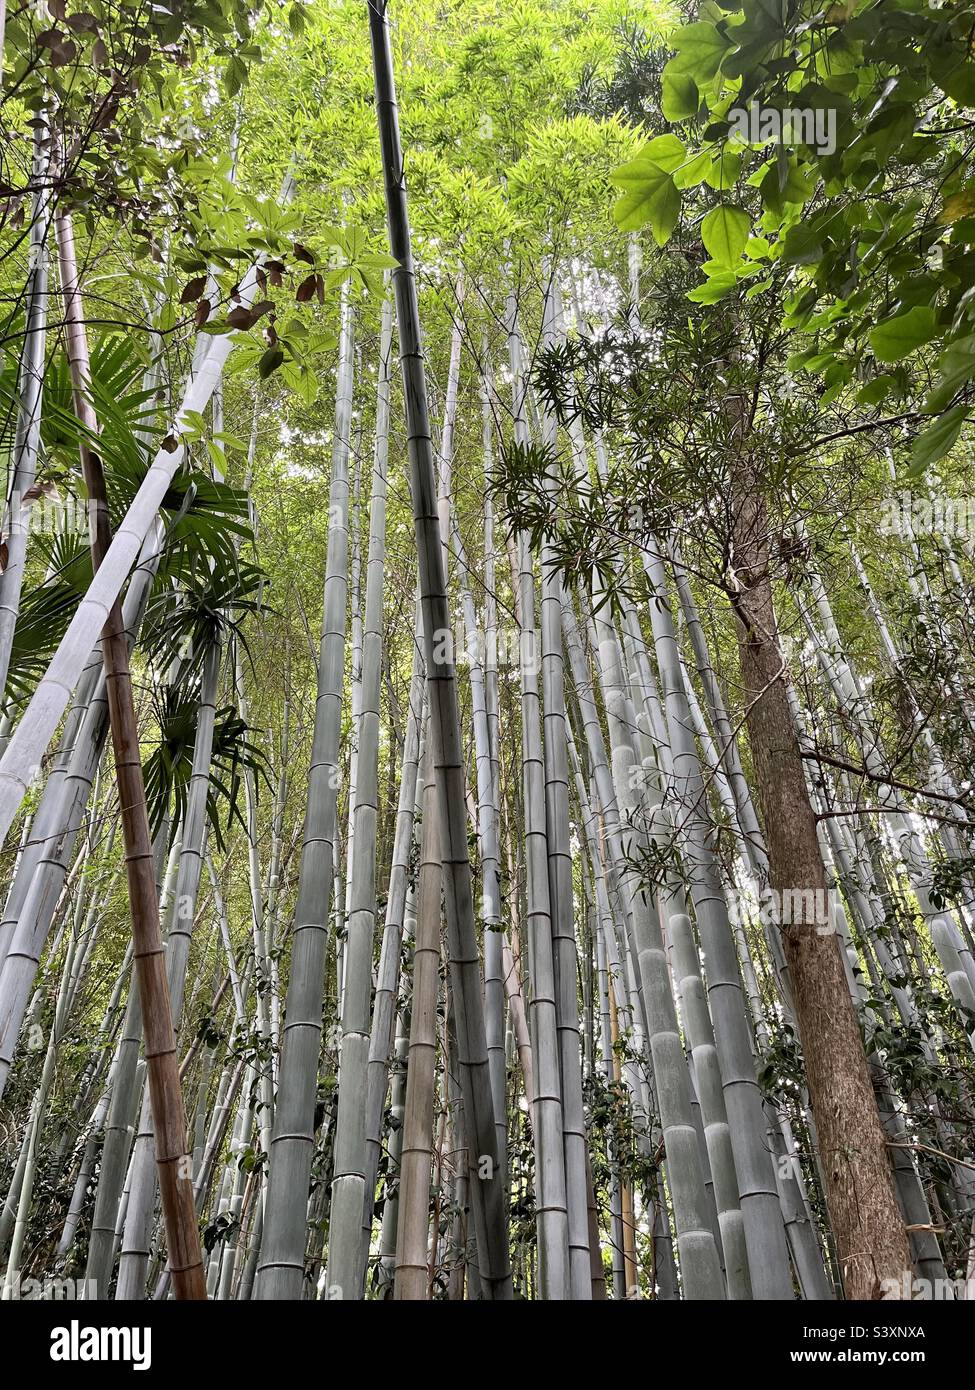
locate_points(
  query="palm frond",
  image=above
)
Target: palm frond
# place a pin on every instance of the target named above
(169, 767)
(184, 620)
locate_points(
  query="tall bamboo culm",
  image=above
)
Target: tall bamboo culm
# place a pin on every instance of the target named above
(464, 956)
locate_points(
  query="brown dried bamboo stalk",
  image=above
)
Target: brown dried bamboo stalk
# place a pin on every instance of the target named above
(149, 956)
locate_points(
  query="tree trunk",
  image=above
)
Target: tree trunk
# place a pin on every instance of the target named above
(865, 1218)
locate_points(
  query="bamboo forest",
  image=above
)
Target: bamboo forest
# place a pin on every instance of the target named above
(487, 650)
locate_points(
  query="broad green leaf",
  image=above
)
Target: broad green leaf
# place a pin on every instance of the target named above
(725, 232)
(802, 245)
(934, 442)
(714, 288)
(875, 391)
(665, 152)
(270, 362)
(694, 171)
(655, 200)
(680, 97)
(700, 49)
(957, 80)
(895, 338)
(235, 75)
(308, 389)
(959, 205)
(723, 172)
(957, 366)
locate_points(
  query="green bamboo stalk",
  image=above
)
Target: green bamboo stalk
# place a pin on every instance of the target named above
(346, 1267)
(281, 1266)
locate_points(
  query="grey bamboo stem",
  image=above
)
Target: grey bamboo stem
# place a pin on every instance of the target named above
(487, 1195)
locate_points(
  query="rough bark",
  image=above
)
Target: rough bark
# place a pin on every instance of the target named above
(866, 1220)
